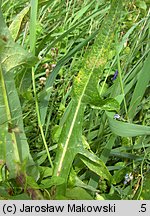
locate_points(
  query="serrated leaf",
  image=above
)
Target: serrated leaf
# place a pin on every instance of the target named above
(85, 85)
(72, 130)
(13, 142)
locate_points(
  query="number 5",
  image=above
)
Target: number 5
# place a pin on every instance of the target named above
(143, 207)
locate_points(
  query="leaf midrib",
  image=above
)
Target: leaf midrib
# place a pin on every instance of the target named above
(79, 103)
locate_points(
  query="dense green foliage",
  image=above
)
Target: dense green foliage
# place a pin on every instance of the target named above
(74, 99)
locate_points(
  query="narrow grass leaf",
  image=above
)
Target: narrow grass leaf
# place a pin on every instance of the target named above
(141, 85)
(108, 147)
(71, 29)
(81, 12)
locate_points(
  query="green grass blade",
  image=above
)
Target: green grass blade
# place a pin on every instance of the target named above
(65, 34)
(141, 85)
(81, 12)
(33, 22)
(106, 152)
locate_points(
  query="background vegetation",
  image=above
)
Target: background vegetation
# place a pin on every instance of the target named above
(74, 99)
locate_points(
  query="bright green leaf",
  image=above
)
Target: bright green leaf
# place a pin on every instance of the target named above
(16, 24)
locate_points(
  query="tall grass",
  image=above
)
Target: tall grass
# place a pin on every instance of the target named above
(33, 23)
